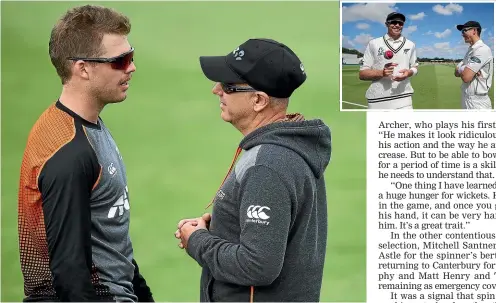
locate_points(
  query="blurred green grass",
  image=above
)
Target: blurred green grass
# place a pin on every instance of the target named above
(435, 88)
(175, 146)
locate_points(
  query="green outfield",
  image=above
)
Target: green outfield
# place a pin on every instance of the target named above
(169, 131)
(435, 88)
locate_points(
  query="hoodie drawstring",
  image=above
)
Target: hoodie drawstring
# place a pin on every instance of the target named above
(236, 155)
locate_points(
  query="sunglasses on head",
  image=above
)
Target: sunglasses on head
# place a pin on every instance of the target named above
(467, 29)
(231, 88)
(396, 23)
(121, 62)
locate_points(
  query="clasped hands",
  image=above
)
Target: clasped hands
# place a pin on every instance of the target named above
(389, 69)
(460, 68)
(186, 227)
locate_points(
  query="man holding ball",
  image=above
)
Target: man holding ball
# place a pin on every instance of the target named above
(389, 62)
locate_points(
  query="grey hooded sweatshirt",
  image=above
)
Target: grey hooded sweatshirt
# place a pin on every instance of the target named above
(268, 234)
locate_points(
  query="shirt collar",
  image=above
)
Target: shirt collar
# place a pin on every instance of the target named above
(400, 39)
(477, 43)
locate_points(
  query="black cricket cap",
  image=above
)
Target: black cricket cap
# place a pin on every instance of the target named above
(264, 64)
(395, 16)
(468, 24)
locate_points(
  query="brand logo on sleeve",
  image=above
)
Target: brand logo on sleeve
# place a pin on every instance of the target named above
(258, 214)
(112, 169)
(475, 59)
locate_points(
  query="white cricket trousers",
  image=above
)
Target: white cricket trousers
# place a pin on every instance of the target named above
(476, 101)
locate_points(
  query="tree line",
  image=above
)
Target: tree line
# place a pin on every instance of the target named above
(351, 51)
(420, 59)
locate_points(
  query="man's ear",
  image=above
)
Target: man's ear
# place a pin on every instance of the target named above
(81, 69)
(260, 101)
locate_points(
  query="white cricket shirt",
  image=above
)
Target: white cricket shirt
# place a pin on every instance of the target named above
(479, 58)
(404, 54)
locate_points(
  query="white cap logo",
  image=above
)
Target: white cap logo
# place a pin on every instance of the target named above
(238, 54)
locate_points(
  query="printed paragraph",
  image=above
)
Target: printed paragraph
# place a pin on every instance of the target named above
(434, 199)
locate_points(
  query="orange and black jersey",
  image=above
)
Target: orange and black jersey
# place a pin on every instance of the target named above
(74, 214)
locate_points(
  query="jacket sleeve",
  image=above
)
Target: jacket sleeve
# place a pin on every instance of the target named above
(141, 289)
(265, 216)
(65, 183)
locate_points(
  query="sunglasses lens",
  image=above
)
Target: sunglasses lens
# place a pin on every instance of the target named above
(226, 88)
(123, 62)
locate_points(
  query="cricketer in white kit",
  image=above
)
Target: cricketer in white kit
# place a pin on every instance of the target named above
(389, 62)
(476, 68)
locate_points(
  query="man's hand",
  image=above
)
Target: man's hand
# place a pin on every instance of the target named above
(388, 69)
(377, 74)
(186, 227)
(459, 69)
(403, 74)
(457, 74)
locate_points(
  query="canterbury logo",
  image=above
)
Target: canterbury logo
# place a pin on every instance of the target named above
(112, 169)
(257, 212)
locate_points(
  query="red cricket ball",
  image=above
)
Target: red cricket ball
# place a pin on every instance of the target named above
(388, 54)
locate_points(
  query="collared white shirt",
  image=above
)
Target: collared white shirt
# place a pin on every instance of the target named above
(404, 54)
(398, 41)
(479, 58)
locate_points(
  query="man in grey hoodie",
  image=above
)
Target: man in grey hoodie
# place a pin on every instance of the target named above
(266, 237)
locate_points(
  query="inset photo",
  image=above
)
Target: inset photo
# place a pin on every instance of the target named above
(409, 56)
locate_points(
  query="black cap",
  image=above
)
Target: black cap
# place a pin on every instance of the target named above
(264, 64)
(468, 24)
(394, 16)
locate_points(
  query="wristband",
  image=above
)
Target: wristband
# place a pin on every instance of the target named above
(414, 70)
